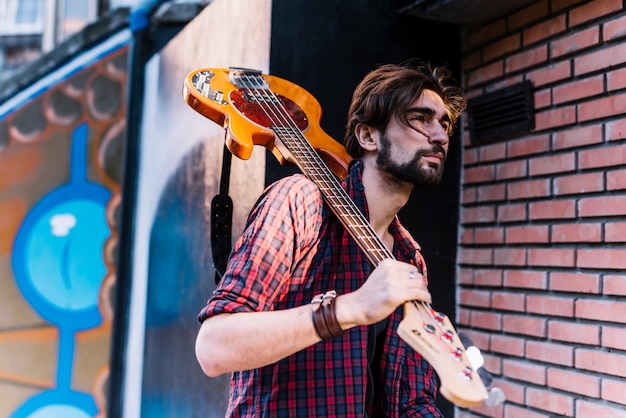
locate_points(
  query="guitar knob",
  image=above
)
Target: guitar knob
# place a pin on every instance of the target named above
(467, 373)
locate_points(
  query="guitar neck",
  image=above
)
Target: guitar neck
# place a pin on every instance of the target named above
(312, 166)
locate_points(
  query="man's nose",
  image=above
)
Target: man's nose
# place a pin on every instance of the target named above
(439, 135)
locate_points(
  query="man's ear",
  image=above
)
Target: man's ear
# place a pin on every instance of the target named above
(367, 136)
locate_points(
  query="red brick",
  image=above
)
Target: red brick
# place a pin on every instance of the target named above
(558, 5)
(467, 236)
(513, 411)
(574, 381)
(579, 89)
(550, 73)
(483, 277)
(492, 152)
(602, 157)
(579, 184)
(578, 137)
(551, 257)
(479, 174)
(525, 279)
(614, 285)
(544, 30)
(585, 232)
(616, 180)
(602, 206)
(481, 34)
(485, 74)
(546, 400)
(555, 118)
(591, 409)
(471, 60)
(616, 130)
(530, 58)
(526, 234)
(614, 29)
(543, 98)
(593, 10)
(508, 301)
(501, 47)
(529, 146)
(491, 193)
(512, 212)
(478, 214)
(468, 195)
(463, 317)
(560, 163)
(602, 108)
(600, 361)
(574, 332)
(476, 298)
(528, 189)
(616, 79)
(601, 310)
(476, 256)
(601, 258)
(524, 324)
(613, 390)
(615, 232)
(506, 344)
(575, 42)
(527, 15)
(524, 371)
(575, 282)
(489, 235)
(509, 257)
(613, 337)
(465, 276)
(486, 320)
(511, 170)
(480, 339)
(550, 352)
(550, 305)
(470, 156)
(552, 209)
(600, 60)
(514, 392)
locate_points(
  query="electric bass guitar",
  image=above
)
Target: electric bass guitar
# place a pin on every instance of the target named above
(261, 109)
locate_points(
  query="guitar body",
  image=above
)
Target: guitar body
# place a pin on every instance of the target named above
(259, 109)
(215, 94)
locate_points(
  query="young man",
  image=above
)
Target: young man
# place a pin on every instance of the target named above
(296, 354)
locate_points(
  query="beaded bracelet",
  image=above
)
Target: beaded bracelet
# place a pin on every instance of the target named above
(324, 317)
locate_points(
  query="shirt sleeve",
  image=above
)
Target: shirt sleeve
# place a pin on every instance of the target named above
(262, 262)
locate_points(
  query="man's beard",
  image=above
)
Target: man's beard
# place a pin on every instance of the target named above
(412, 172)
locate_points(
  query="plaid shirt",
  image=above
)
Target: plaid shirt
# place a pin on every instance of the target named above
(293, 248)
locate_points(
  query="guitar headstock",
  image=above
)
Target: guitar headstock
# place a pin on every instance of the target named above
(431, 334)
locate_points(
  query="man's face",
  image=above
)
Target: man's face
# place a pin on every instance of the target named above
(416, 154)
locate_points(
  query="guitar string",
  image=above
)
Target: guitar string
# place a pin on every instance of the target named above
(278, 114)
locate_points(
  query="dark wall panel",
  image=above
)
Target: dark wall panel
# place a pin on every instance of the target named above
(327, 46)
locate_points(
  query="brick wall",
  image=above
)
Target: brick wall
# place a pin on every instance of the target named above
(542, 257)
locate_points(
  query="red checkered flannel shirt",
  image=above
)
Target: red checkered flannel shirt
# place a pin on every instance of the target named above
(293, 248)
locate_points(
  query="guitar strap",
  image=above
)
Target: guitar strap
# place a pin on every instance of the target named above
(222, 220)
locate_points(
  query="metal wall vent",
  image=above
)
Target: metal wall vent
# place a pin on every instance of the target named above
(501, 114)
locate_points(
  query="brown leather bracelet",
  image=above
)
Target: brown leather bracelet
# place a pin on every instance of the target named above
(330, 317)
(324, 317)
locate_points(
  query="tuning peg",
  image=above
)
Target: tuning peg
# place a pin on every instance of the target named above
(495, 396)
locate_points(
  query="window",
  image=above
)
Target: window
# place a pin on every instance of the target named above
(29, 11)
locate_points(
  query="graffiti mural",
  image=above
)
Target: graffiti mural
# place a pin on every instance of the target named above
(61, 150)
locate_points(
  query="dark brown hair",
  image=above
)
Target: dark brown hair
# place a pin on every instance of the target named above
(390, 90)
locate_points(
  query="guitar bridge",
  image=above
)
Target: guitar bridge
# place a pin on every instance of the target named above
(247, 78)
